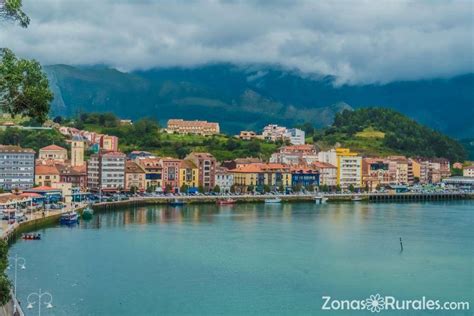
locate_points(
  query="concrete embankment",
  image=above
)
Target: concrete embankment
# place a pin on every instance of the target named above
(373, 198)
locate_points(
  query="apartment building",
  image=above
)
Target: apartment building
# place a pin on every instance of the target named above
(224, 179)
(259, 175)
(153, 172)
(468, 171)
(188, 175)
(349, 168)
(170, 173)
(17, 167)
(46, 175)
(192, 127)
(106, 172)
(327, 173)
(206, 164)
(273, 132)
(378, 172)
(134, 176)
(53, 152)
(295, 155)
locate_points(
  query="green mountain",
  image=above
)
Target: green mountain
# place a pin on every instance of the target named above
(380, 130)
(248, 97)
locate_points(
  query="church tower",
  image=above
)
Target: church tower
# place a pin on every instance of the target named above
(77, 151)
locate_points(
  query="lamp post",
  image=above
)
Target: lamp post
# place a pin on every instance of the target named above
(32, 301)
(19, 262)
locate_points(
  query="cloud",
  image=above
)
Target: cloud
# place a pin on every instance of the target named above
(356, 41)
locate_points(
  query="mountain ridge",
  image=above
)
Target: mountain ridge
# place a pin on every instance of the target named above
(249, 97)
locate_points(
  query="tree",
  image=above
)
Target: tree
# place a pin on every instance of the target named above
(200, 189)
(324, 188)
(11, 10)
(216, 189)
(4, 282)
(24, 87)
(233, 188)
(266, 188)
(310, 187)
(281, 188)
(338, 188)
(297, 188)
(250, 188)
(151, 189)
(58, 119)
(351, 188)
(168, 188)
(184, 188)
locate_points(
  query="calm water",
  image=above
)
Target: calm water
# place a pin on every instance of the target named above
(252, 259)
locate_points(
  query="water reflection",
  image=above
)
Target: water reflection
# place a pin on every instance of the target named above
(336, 213)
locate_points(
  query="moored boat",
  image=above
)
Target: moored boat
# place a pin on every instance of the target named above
(69, 218)
(356, 198)
(31, 236)
(320, 199)
(226, 202)
(273, 201)
(87, 213)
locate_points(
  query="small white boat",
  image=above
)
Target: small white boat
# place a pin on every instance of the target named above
(319, 199)
(273, 201)
(356, 198)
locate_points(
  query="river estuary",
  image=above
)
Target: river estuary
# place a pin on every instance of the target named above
(251, 259)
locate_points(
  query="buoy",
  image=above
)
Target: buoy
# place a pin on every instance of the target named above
(401, 244)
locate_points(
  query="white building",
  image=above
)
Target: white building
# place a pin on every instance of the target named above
(106, 172)
(17, 167)
(349, 171)
(329, 156)
(468, 171)
(274, 132)
(296, 136)
(224, 179)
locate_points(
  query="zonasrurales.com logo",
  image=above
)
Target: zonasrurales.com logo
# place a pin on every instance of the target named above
(377, 303)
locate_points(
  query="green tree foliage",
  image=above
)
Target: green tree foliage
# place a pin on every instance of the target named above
(24, 87)
(145, 134)
(34, 139)
(401, 133)
(216, 189)
(4, 282)
(11, 10)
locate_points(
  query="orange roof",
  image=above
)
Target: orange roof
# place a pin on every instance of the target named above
(30, 194)
(53, 147)
(261, 167)
(46, 169)
(43, 188)
(319, 164)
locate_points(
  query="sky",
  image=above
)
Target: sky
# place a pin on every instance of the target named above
(356, 41)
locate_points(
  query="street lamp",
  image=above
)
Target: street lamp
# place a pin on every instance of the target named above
(31, 301)
(19, 262)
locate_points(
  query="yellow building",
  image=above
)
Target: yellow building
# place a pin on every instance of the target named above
(349, 168)
(416, 168)
(188, 174)
(46, 175)
(259, 175)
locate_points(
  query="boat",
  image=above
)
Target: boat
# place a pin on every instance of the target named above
(320, 199)
(357, 198)
(273, 201)
(226, 202)
(31, 236)
(176, 202)
(87, 213)
(69, 218)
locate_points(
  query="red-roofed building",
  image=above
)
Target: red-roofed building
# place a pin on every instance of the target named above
(46, 174)
(327, 173)
(53, 152)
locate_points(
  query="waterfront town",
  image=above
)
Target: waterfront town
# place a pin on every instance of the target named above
(60, 174)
